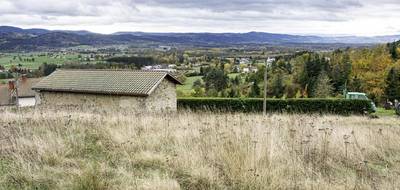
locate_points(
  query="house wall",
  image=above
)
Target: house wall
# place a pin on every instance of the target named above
(162, 99)
(26, 102)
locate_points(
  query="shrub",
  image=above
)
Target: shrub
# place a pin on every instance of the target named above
(334, 106)
(5, 75)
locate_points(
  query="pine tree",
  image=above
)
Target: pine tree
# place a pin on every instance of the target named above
(313, 66)
(236, 80)
(197, 83)
(340, 70)
(278, 88)
(215, 79)
(323, 87)
(202, 71)
(233, 92)
(255, 90)
(393, 50)
(392, 88)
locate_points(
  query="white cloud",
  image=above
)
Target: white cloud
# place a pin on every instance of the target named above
(353, 17)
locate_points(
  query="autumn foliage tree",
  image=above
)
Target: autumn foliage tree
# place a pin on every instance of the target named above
(369, 68)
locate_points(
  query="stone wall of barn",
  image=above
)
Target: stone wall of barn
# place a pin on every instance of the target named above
(162, 99)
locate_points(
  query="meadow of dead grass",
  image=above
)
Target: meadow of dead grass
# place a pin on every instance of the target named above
(50, 149)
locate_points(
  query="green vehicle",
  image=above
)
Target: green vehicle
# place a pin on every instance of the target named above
(360, 96)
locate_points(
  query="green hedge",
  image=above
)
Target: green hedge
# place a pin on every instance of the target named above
(334, 106)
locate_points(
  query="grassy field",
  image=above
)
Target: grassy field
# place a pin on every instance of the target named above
(116, 149)
(187, 86)
(10, 59)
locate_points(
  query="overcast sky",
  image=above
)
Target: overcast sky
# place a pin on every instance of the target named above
(330, 17)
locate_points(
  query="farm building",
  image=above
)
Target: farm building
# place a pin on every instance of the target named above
(26, 96)
(131, 89)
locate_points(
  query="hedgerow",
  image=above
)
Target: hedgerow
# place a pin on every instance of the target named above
(333, 106)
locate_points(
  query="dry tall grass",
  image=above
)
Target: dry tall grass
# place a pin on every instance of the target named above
(48, 149)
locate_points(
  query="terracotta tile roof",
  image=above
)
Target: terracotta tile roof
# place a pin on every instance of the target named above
(116, 82)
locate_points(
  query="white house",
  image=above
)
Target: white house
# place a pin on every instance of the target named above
(270, 61)
(164, 48)
(245, 61)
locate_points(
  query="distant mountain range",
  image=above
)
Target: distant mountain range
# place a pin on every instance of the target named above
(16, 39)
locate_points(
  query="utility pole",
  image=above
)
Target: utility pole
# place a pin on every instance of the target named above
(265, 89)
(16, 84)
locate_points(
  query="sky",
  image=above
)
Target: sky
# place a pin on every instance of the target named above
(322, 17)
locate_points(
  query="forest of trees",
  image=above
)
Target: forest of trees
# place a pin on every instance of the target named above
(375, 71)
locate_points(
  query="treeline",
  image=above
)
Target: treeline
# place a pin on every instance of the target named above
(375, 71)
(301, 76)
(136, 62)
(392, 82)
(394, 50)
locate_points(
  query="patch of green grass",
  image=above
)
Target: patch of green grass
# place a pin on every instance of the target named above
(94, 145)
(91, 179)
(22, 180)
(188, 85)
(4, 166)
(233, 75)
(384, 112)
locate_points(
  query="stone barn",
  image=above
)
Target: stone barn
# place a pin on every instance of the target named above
(142, 91)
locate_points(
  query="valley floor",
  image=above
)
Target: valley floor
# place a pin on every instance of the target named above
(49, 149)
